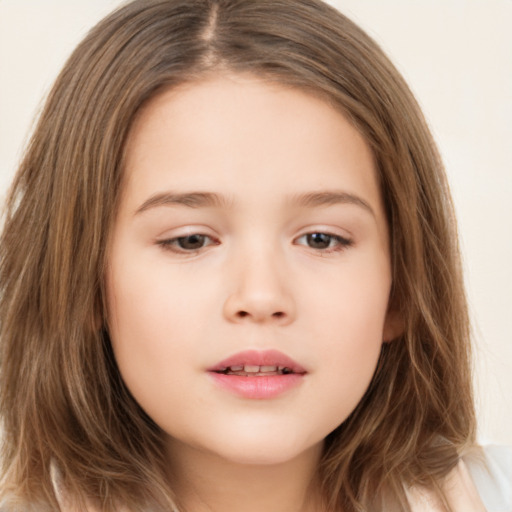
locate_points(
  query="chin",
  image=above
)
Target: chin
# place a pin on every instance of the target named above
(260, 449)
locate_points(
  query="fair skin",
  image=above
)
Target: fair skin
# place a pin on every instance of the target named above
(250, 220)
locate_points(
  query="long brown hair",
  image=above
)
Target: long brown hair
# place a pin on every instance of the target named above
(62, 401)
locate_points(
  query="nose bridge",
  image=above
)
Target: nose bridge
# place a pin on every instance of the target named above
(259, 289)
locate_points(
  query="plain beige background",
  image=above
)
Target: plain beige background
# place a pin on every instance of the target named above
(457, 57)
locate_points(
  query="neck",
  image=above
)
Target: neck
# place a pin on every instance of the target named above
(205, 482)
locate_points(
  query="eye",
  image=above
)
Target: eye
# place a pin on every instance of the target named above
(324, 241)
(190, 243)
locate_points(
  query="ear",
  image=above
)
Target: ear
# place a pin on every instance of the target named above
(393, 326)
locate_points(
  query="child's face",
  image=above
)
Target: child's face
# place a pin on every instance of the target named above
(251, 220)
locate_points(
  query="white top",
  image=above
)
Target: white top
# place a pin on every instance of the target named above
(478, 484)
(494, 479)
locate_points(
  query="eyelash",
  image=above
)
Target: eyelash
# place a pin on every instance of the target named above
(341, 243)
(172, 244)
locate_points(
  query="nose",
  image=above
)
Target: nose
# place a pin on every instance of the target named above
(260, 291)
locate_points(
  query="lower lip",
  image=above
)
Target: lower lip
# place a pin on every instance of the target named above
(258, 388)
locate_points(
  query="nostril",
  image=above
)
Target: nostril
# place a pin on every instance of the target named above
(244, 314)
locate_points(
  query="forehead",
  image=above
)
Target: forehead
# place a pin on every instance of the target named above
(234, 131)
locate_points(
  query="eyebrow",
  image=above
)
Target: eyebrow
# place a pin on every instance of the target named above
(190, 199)
(329, 198)
(210, 199)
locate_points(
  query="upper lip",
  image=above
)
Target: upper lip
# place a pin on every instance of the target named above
(258, 358)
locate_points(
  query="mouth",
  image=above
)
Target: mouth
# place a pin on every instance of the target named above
(258, 375)
(254, 363)
(255, 370)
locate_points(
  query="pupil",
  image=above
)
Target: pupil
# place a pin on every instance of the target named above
(319, 240)
(191, 242)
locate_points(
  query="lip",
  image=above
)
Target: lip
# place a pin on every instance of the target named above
(258, 387)
(259, 358)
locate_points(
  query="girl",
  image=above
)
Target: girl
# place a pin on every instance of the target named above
(230, 277)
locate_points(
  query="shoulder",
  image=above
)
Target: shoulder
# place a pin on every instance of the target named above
(481, 482)
(491, 472)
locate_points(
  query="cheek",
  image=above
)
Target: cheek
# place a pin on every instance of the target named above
(348, 329)
(147, 304)
(350, 309)
(151, 332)
(350, 353)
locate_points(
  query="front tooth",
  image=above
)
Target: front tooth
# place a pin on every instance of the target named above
(236, 368)
(251, 368)
(268, 368)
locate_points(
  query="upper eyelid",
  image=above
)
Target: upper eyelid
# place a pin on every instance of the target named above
(186, 235)
(215, 241)
(186, 231)
(324, 232)
(327, 230)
